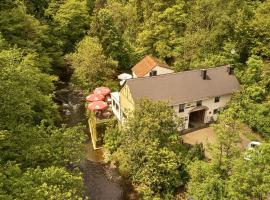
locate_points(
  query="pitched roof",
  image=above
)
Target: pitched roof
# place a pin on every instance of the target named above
(183, 87)
(146, 65)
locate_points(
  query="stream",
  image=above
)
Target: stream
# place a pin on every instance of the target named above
(101, 182)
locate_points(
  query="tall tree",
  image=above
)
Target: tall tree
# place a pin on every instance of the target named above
(251, 178)
(27, 91)
(48, 183)
(110, 38)
(208, 180)
(91, 67)
(71, 20)
(149, 151)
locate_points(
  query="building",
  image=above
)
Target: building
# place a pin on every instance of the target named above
(197, 96)
(150, 66)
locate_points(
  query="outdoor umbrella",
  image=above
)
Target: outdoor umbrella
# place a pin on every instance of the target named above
(97, 105)
(102, 90)
(95, 97)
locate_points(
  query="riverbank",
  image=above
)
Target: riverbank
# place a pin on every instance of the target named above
(100, 181)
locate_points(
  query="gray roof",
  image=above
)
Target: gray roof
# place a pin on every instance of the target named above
(183, 87)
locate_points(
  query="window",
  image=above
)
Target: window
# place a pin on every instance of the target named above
(153, 73)
(217, 99)
(215, 111)
(117, 107)
(181, 107)
(199, 103)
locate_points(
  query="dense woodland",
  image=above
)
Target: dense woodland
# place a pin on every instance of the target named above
(98, 39)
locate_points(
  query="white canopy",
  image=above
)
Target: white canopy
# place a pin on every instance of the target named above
(124, 76)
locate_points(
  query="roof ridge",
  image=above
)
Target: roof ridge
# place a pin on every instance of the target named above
(175, 73)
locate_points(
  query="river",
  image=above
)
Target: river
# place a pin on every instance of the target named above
(101, 182)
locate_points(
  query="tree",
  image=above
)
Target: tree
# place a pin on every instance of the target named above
(209, 180)
(72, 15)
(251, 178)
(48, 183)
(113, 44)
(149, 151)
(91, 67)
(205, 183)
(168, 20)
(42, 146)
(260, 25)
(251, 104)
(228, 136)
(27, 90)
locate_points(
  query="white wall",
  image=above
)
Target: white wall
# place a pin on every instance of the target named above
(116, 105)
(134, 75)
(209, 103)
(160, 70)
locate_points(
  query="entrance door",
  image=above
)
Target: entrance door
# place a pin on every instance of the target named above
(196, 118)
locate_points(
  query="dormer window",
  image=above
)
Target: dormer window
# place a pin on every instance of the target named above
(181, 108)
(217, 99)
(199, 103)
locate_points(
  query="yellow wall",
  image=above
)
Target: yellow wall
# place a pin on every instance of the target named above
(126, 100)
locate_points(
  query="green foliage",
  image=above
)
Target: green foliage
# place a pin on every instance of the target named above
(260, 25)
(205, 183)
(41, 146)
(148, 150)
(208, 180)
(91, 67)
(20, 28)
(48, 183)
(169, 22)
(27, 91)
(110, 38)
(252, 103)
(251, 178)
(71, 22)
(112, 138)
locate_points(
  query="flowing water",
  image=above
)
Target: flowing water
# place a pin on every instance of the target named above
(101, 182)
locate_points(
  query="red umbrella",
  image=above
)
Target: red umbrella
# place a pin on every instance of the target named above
(94, 97)
(97, 105)
(102, 90)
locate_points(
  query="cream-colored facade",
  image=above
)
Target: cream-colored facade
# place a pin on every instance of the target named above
(127, 103)
(158, 69)
(208, 107)
(202, 110)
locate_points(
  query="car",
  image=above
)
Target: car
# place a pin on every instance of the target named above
(251, 147)
(253, 144)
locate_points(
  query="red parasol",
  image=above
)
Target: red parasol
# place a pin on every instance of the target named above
(102, 90)
(97, 105)
(94, 97)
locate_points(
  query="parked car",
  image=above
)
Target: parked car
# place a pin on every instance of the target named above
(253, 144)
(251, 147)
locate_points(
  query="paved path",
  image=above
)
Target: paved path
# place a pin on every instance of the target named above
(206, 136)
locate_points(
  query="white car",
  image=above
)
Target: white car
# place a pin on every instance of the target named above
(253, 144)
(251, 147)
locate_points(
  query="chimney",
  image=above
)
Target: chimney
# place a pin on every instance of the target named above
(203, 74)
(230, 70)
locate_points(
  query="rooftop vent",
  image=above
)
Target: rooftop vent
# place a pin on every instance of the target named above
(230, 70)
(204, 74)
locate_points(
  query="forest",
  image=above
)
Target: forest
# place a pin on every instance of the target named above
(98, 40)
